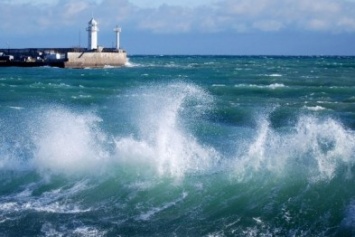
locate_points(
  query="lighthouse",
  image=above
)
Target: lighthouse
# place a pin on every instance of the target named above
(118, 31)
(92, 30)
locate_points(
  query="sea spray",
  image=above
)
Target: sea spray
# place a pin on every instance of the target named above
(67, 142)
(314, 148)
(73, 143)
(162, 138)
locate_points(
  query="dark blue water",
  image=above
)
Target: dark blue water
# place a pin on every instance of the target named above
(180, 146)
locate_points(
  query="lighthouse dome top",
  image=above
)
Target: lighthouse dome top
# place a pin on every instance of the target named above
(93, 22)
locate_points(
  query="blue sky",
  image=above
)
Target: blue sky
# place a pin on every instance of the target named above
(236, 27)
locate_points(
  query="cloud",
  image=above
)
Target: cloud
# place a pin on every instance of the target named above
(271, 15)
(74, 8)
(268, 25)
(218, 16)
(250, 16)
(112, 12)
(346, 23)
(167, 19)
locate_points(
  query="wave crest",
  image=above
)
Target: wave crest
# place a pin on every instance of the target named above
(163, 139)
(66, 142)
(315, 148)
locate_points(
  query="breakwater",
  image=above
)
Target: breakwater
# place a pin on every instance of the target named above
(62, 57)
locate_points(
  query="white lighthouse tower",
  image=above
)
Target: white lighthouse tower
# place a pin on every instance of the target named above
(92, 29)
(118, 31)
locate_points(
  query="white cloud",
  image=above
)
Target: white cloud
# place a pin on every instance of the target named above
(256, 15)
(167, 16)
(245, 7)
(268, 25)
(168, 19)
(158, 3)
(74, 8)
(274, 15)
(347, 23)
(32, 2)
(318, 24)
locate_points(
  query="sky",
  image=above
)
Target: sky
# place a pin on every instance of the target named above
(222, 27)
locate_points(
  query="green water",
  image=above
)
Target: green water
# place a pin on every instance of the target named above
(180, 146)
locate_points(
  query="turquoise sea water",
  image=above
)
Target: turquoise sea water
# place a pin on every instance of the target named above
(180, 146)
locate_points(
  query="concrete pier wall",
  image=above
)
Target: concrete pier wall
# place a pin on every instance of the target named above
(62, 57)
(94, 59)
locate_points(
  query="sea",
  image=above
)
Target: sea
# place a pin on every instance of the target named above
(180, 146)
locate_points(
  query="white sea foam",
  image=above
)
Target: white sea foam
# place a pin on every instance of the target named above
(315, 108)
(67, 142)
(16, 107)
(163, 141)
(81, 97)
(109, 66)
(38, 206)
(315, 147)
(271, 86)
(71, 143)
(276, 85)
(89, 232)
(275, 75)
(131, 64)
(155, 210)
(60, 85)
(56, 201)
(50, 230)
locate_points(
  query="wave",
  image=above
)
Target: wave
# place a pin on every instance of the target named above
(130, 64)
(166, 139)
(87, 173)
(315, 148)
(54, 140)
(147, 215)
(275, 75)
(61, 141)
(271, 86)
(163, 64)
(16, 107)
(49, 229)
(163, 139)
(65, 141)
(315, 108)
